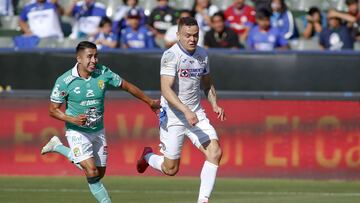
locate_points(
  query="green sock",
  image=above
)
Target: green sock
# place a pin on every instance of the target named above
(61, 149)
(98, 190)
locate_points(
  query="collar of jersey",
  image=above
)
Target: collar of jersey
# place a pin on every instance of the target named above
(183, 50)
(75, 73)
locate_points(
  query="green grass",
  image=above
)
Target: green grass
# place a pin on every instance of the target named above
(178, 190)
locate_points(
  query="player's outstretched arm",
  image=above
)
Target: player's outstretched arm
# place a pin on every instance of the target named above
(170, 96)
(210, 93)
(55, 112)
(154, 104)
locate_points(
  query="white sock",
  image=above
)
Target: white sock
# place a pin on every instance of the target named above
(155, 161)
(207, 177)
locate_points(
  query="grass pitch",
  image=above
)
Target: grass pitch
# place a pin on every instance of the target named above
(177, 190)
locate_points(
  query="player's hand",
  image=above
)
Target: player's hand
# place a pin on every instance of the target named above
(79, 120)
(191, 118)
(220, 112)
(155, 106)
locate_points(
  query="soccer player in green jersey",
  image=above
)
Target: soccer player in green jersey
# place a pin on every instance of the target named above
(83, 89)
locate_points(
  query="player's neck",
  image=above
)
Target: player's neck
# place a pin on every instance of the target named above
(83, 73)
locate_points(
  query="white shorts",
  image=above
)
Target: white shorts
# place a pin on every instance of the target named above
(88, 145)
(172, 137)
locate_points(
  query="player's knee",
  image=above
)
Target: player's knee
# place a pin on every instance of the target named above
(171, 170)
(215, 155)
(92, 172)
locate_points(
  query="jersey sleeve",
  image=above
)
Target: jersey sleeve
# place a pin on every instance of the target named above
(113, 79)
(168, 64)
(59, 92)
(23, 14)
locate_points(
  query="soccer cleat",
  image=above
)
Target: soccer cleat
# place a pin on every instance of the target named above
(142, 165)
(50, 146)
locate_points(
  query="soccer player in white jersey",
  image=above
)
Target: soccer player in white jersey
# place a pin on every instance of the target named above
(83, 88)
(184, 69)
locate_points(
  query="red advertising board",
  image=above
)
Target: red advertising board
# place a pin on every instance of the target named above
(260, 138)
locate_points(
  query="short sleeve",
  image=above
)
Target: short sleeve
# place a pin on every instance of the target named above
(168, 64)
(23, 14)
(113, 79)
(59, 92)
(76, 10)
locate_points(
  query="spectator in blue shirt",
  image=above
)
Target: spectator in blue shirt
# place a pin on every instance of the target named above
(264, 37)
(314, 23)
(283, 19)
(121, 12)
(336, 36)
(105, 38)
(136, 36)
(87, 14)
(40, 19)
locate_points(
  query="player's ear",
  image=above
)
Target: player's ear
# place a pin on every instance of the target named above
(78, 59)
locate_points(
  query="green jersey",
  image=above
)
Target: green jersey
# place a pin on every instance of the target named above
(85, 96)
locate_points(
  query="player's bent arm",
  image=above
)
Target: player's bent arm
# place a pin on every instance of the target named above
(55, 112)
(209, 90)
(136, 92)
(169, 94)
(210, 93)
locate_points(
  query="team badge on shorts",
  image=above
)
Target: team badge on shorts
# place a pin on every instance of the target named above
(101, 84)
(105, 152)
(162, 146)
(77, 152)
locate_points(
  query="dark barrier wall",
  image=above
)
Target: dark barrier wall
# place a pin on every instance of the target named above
(260, 138)
(245, 71)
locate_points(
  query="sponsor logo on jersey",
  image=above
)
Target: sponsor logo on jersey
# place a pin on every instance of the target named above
(202, 60)
(63, 93)
(77, 90)
(186, 73)
(68, 79)
(101, 84)
(90, 102)
(56, 91)
(90, 93)
(116, 77)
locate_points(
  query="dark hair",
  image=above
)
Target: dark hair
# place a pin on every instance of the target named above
(349, 2)
(262, 14)
(283, 6)
(104, 20)
(219, 14)
(193, 10)
(125, 2)
(185, 11)
(313, 10)
(85, 45)
(188, 21)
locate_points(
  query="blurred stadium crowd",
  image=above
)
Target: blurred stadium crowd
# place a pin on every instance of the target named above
(263, 25)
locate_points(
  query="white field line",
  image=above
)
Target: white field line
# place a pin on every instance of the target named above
(64, 190)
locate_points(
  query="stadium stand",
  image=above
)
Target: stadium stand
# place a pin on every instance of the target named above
(6, 42)
(9, 24)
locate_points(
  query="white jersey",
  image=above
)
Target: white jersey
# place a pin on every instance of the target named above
(187, 70)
